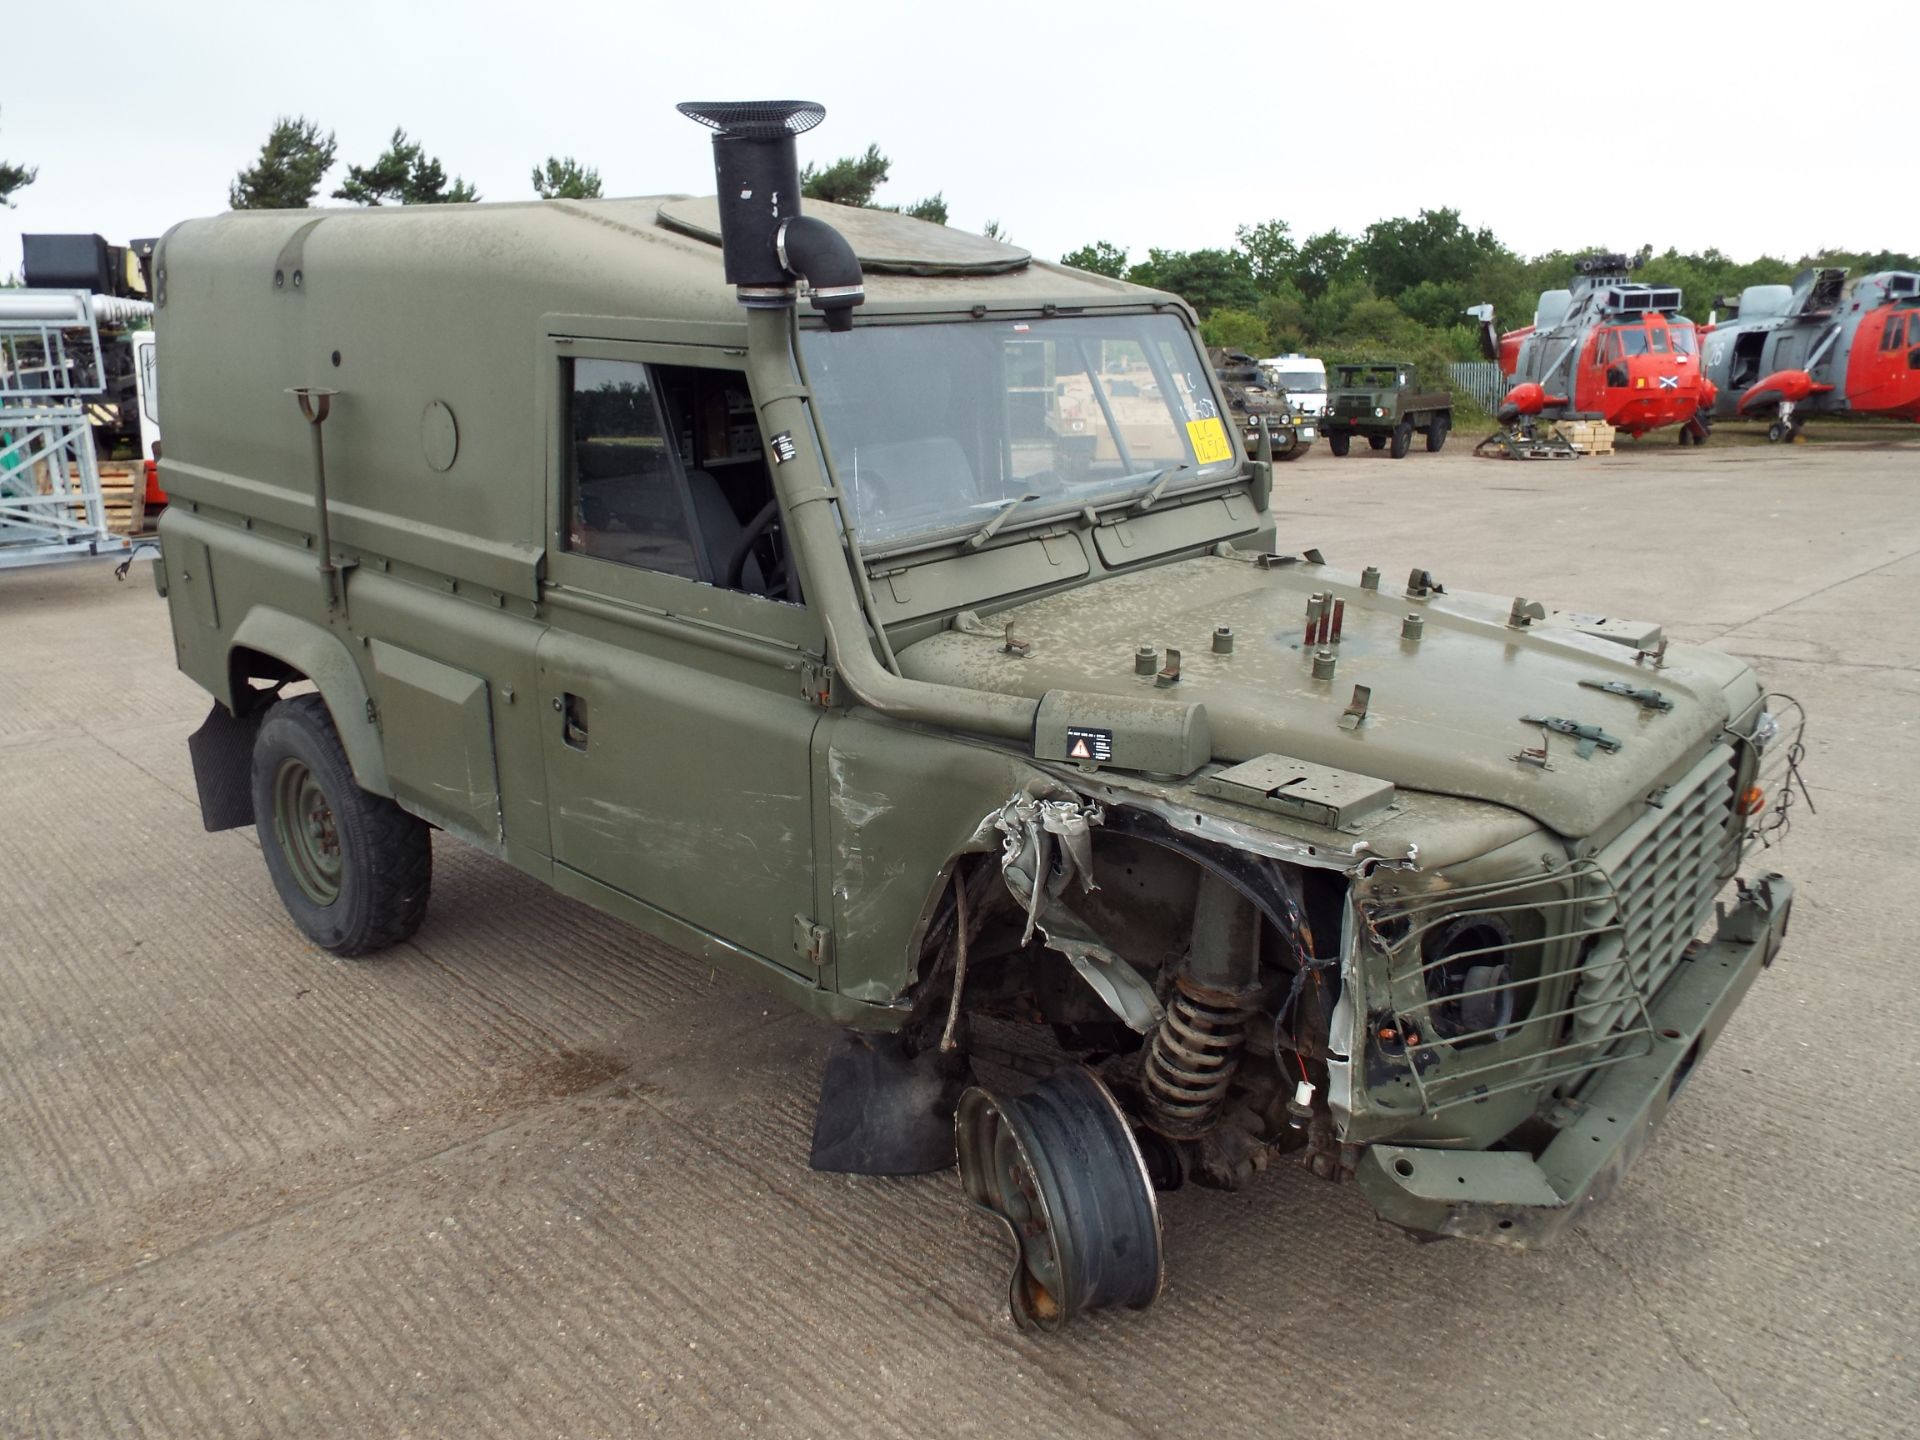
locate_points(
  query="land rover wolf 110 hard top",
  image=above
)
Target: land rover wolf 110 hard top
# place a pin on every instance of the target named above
(890, 618)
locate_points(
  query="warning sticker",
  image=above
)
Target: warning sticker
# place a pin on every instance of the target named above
(1209, 439)
(782, 447)
(1087, 744)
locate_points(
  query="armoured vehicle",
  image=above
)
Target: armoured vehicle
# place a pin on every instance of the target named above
(1607, 348)
(1381, 400)
(603, 537)
(1255, 404)
(1819, 347)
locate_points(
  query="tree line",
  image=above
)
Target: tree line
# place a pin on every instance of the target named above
(294, 161)
(1401, 285)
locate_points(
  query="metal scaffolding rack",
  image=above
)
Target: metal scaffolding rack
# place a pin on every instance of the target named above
(50, 367)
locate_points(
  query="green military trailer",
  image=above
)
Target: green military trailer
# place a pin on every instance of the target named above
(891, 618)
(1381, 400)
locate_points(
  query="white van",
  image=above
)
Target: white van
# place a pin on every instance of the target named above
(1303, 378)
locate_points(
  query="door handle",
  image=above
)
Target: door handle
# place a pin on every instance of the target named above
(573, 720)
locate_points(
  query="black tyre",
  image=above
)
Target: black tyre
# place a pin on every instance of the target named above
(1402, 439)
(1338, 442)
(1437, 434)
(1776, 432)
(1376, 442)
(353, 869)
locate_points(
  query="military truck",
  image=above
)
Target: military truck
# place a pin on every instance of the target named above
(1255, 404)
(720, 565)
(1380, 399)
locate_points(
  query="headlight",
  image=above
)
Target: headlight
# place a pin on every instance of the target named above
(1469, 978)
(1764, 730)
(1378, 411)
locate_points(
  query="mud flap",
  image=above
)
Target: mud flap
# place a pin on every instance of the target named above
(885, 1110)
(222, 751)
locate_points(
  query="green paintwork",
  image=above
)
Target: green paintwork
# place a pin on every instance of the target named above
(1352, 403)
(747, 778)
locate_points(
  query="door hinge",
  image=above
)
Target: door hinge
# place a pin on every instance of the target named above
(812, 943)
(816, 683)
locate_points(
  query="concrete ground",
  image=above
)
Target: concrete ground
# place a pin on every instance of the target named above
(534, 1175)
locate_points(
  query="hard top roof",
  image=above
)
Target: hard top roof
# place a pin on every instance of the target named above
(645, 256)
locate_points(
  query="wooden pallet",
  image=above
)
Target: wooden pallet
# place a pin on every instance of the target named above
(121, 483)
(1589, 437)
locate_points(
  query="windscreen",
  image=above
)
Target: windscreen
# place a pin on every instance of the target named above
(938, 427)
(1294, 381)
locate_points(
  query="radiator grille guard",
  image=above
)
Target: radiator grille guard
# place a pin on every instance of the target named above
(1616, 926)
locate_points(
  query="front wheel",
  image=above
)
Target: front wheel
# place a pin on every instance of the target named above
(1436, 434)
(1338, 443)
(353, 869)
(1776, 432)
(1402, 439)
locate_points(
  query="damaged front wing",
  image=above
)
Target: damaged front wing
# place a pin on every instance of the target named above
(1046, 849)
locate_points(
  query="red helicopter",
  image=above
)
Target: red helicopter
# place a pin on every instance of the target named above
(1818, 347)
(1606, 348)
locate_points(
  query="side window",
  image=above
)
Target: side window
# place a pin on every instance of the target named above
(626, 499)
(1890, 337)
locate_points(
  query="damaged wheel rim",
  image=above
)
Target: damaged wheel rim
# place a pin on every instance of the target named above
(1059, 1168)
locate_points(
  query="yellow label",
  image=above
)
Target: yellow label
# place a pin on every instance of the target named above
(1209, 440)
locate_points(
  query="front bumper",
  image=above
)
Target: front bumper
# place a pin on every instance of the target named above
(1512, 1198)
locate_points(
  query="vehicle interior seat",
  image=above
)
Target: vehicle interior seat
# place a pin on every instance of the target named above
(720, 531)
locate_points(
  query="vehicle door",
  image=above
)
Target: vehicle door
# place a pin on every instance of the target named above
(1878, 356)
(677, 732)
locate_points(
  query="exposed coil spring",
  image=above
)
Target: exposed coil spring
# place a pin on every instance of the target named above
(1191, 1060)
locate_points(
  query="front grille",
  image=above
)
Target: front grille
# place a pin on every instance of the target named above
(1664, 871)
(1632, 909)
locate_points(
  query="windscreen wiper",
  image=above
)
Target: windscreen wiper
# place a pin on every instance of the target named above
(1152, 493)
(987, 531)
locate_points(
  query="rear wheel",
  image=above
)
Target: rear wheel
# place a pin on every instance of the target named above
(1402, 439)
(1376, 442)
(353, 869)
(1338, 442)
(1436, 433)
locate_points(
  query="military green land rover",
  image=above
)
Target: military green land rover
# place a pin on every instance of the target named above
(741, 573)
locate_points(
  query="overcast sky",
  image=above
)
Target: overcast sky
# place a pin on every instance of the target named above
(1748, 128)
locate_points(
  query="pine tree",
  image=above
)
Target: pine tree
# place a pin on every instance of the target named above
(852, 181)
(565, 179)
(404, 175)
(289, 170)
(14, 177)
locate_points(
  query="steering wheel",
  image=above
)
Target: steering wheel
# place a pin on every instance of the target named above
(756, 531)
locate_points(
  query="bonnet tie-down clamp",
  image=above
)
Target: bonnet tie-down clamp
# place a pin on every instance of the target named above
(1647, 699)
(1587, 737)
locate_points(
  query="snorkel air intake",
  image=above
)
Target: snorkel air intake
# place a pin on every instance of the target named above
(766, 242)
